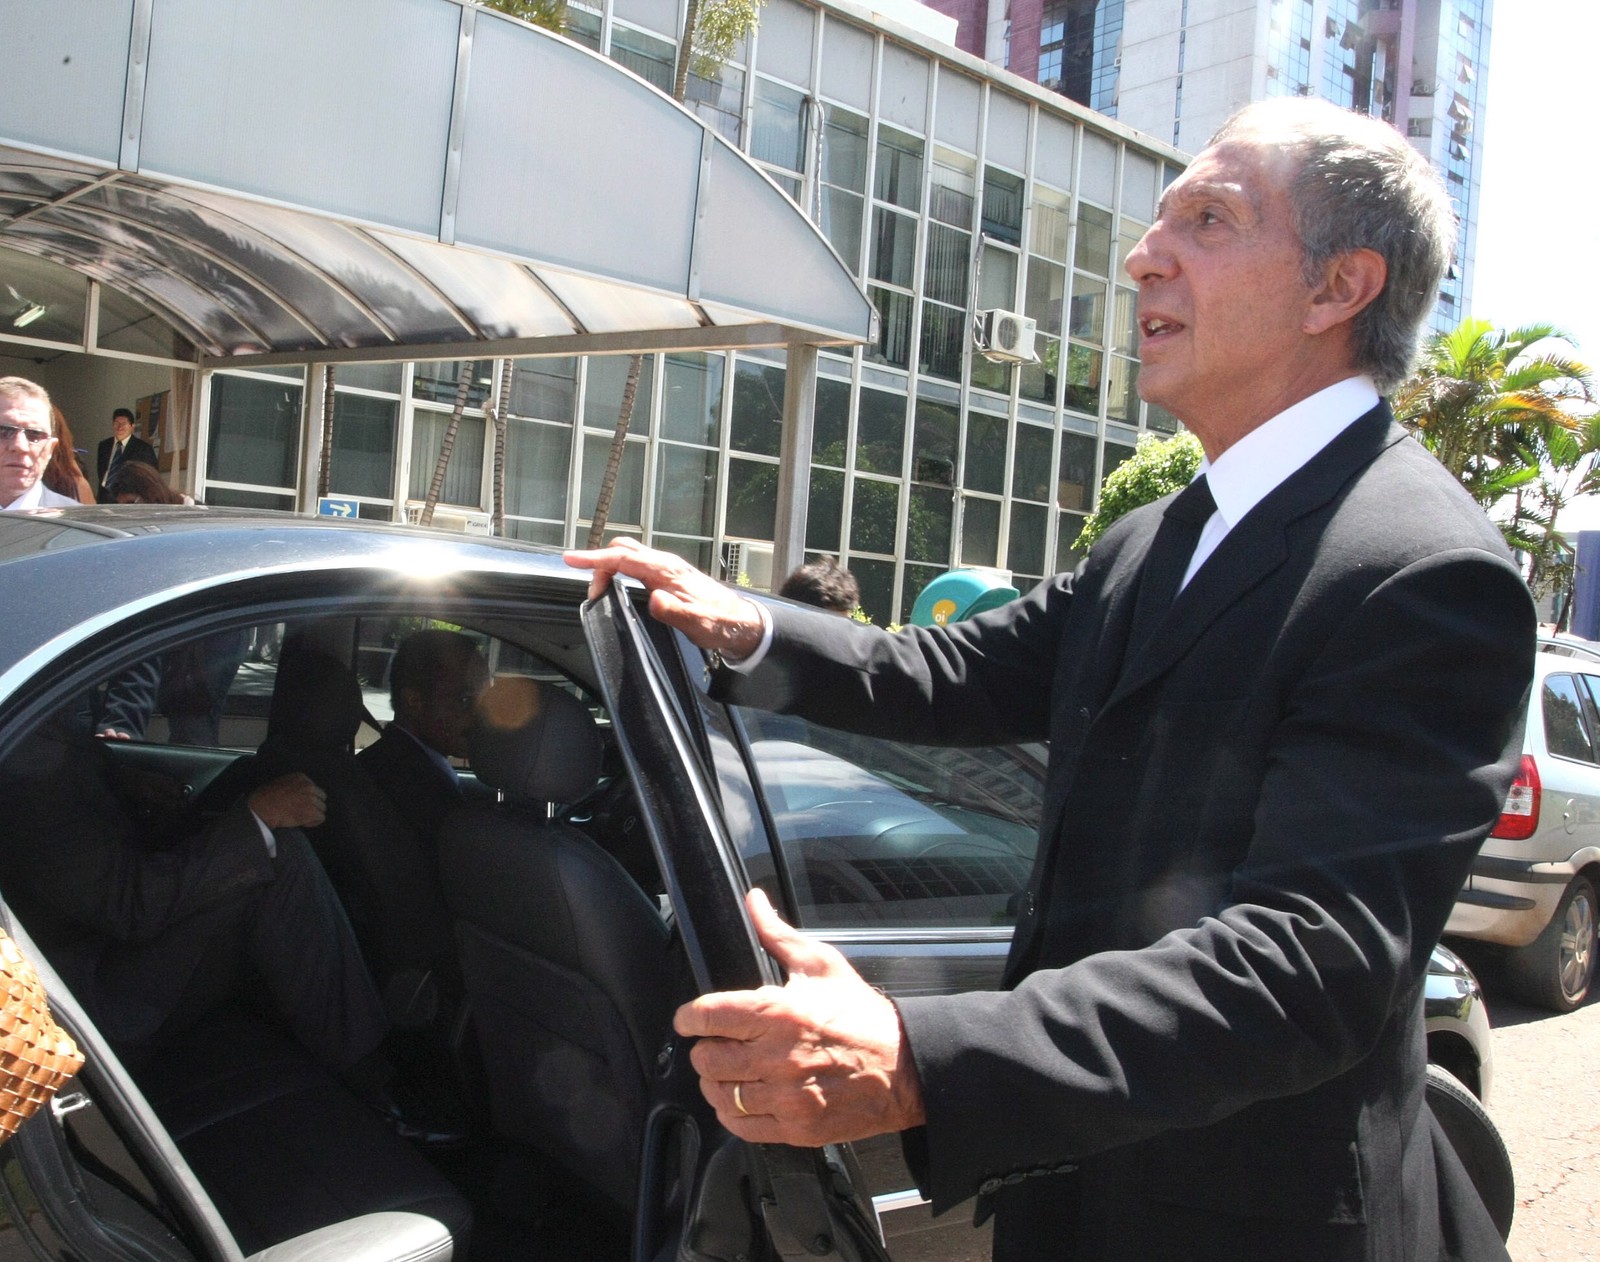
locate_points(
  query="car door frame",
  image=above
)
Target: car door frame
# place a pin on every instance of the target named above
(809, 1200)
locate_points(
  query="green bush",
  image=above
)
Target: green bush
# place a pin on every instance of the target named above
(1157, 467)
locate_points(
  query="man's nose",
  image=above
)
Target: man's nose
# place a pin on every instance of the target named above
(1149, 260)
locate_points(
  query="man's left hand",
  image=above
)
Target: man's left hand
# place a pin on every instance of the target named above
(820, 1060)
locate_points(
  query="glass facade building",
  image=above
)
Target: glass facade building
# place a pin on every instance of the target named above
(949, 190)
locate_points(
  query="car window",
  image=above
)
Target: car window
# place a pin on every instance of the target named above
(881, 833)
(1566, 726)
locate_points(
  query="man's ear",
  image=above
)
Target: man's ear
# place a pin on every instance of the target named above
(1350, 282)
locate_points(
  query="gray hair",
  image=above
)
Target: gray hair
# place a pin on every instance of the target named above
(1360, 186)
(21, 388)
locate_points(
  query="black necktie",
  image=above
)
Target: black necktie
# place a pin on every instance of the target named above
(116, 459)
(1169, 557)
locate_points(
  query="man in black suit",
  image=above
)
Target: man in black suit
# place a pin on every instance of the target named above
(1263, 794)
(435, 681)
(123, 444)
(155, 925)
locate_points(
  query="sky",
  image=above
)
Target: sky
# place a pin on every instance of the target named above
(1538, 255)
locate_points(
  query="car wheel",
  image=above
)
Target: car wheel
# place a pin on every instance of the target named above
(1476, 1141)
(1556, 969)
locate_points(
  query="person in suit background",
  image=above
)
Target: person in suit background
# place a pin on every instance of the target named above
(28, 444)
(435, 681)
(123, 444)
(1283, 708)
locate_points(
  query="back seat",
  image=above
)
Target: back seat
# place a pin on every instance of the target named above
(282, 1147)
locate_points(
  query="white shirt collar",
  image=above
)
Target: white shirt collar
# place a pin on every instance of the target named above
(1270, 454)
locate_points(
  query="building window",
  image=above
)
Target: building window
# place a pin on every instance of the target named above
(652, 59)
(778, 133)
(254, 434)
(844, 182)
(463, 476)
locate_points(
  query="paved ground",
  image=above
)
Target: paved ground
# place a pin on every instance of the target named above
(1546, 1102)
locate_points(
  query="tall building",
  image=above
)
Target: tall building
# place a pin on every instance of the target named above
(1175, 69)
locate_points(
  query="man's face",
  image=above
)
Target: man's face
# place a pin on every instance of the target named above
(1222, 300)
(441, 715)
(23, 459)
(121, 427)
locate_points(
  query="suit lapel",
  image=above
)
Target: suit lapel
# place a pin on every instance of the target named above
(1256, 546)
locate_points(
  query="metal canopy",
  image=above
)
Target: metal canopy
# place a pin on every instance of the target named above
(293, 180)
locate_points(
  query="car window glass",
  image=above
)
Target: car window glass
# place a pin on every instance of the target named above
(880, 833)
(1566, 727)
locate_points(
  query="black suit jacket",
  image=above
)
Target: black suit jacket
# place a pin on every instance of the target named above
(412, 780)
(1254, 829)
(137, 449)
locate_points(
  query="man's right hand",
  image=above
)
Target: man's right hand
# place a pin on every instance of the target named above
(291, 801)
(712, 614)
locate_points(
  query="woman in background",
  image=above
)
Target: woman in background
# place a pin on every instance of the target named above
(63, 474)
(134, 482)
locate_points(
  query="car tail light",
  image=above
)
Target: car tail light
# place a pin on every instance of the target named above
(1520, 817)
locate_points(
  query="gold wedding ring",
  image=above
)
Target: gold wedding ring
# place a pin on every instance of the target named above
(738, 1101)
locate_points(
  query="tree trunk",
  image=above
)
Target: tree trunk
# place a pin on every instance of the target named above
(436, 487)
(680, 76)
(327, 431)
(502, 406)
(619, 441)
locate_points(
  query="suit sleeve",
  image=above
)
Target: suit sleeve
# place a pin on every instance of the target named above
(85, 865)
(982, 681)
(1388, 767)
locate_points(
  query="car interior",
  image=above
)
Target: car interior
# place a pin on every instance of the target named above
(528, 975)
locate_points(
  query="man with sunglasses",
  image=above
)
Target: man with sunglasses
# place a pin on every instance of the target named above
(27, 441)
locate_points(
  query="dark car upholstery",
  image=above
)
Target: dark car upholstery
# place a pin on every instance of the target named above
(568, 966)
(280, 1146)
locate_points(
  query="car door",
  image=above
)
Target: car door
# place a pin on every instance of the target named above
(807, 1200)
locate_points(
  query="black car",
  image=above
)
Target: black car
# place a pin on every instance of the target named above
(593, 879)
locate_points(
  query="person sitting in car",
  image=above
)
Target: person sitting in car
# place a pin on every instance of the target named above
(435, 681)
(156, 925)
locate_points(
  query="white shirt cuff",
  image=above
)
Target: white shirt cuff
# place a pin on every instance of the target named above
(266, 834)
(747, 664)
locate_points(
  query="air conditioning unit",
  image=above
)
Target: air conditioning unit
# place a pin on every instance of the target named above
(750, 563)
(464, 520)
(1007, 337)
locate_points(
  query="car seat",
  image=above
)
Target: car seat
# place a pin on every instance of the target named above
(568, 964)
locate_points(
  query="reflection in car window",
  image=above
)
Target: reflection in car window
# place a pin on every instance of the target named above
(877, 833)
(1566, 729)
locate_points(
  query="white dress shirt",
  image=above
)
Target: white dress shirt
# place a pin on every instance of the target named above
(1269, 455)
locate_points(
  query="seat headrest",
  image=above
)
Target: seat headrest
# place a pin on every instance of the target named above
(316, 701)
(535, 741)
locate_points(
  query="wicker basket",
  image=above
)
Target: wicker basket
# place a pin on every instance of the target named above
(36, 1054)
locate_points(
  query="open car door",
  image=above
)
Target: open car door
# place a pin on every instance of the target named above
(705, 1194)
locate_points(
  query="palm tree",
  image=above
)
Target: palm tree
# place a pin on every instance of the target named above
(1503, 412)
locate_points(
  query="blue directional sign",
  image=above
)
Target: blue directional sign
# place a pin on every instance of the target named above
(327, 506)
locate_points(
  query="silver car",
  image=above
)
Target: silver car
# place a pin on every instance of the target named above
(1531, 894)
